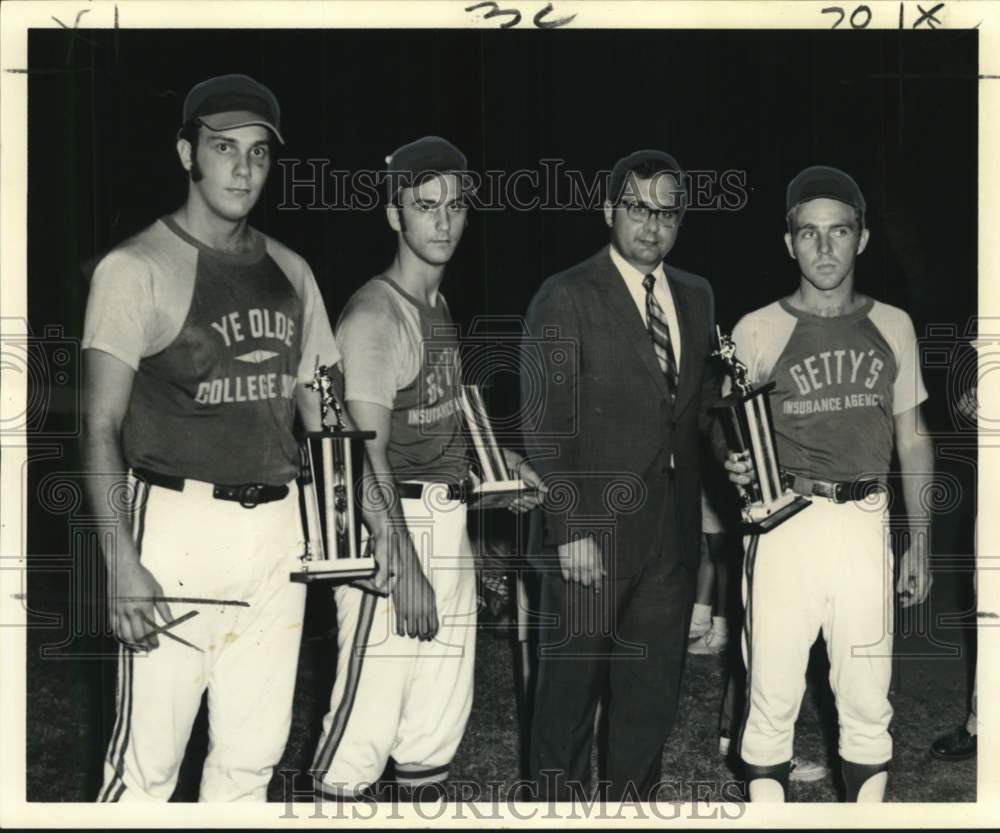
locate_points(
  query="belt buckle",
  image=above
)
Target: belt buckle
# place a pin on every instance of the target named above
(460, 491)
(249, 495)
(824, 488)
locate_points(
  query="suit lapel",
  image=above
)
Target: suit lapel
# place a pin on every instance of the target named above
(633, 329)
(683, 304)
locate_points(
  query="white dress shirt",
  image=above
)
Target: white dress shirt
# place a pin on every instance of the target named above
(661, 291)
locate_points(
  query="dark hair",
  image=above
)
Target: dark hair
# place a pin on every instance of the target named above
(646, 169)
(189, 132)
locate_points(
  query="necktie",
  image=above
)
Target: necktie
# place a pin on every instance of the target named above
(659, 333)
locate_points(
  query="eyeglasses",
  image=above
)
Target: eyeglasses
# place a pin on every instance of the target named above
(665, 217)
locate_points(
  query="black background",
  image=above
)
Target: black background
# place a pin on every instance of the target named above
(898, 110)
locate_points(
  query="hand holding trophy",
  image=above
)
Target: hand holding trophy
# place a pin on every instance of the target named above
(332, 469)
(746, 420)
(497, 489)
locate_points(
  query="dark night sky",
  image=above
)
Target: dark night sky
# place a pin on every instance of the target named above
(102, 163)
(896, 109)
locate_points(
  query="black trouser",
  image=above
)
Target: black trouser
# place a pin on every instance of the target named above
(626, 645)
(728, 547)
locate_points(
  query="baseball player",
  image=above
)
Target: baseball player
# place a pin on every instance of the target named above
(200, 332)
(847, 390)
(395, 697)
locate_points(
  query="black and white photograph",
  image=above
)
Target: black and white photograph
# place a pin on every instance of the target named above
(569, 413)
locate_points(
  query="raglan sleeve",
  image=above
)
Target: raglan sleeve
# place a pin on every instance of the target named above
(368, 336)
(908, 390)
(318, 343)
(121, 317)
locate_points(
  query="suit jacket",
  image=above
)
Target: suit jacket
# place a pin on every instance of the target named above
(600, 425)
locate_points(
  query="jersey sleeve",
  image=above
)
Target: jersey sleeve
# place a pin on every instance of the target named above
(318, 342)
(908, 390)
(370, 346)
(121, 314)
(760, 338)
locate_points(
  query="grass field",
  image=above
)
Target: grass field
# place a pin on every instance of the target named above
(70, 701)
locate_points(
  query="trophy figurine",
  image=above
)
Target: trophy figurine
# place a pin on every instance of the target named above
(768, 501)
(332, 467)
(497, 489)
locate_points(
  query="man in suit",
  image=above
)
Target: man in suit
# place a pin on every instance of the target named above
(618, 437)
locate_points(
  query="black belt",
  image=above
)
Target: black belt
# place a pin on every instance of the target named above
(456, 491)
(840, 491)
(248, 495)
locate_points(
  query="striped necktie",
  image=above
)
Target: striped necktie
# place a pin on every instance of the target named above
(659, 333)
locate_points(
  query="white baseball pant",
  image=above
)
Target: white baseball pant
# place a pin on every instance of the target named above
(202, 548)
(828, 568)
(395, 696)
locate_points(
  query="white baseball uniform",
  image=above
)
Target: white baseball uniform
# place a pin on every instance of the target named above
(218, 342)
(396, 697)
(839, 384)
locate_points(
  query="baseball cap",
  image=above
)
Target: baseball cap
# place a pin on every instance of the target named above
(823, 181)
(410, 164)
(633, 160)
(230, 101)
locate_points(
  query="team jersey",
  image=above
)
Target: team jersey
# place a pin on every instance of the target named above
(219, 342)
(839, 382)
(403, 354)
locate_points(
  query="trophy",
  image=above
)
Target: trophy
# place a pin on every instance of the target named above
(497, 489)
(768, 501)
(332, 467)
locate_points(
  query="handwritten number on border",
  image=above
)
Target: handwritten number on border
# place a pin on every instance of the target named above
(866, 14)
(860, 17)
(495, 10)
(514, 15)
(551, 24)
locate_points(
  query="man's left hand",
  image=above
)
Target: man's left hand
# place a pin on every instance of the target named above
(914, 583)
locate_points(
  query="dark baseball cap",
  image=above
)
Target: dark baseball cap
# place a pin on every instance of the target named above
(622, 167)
(230, 101)
(822, 181)
(410, 164)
